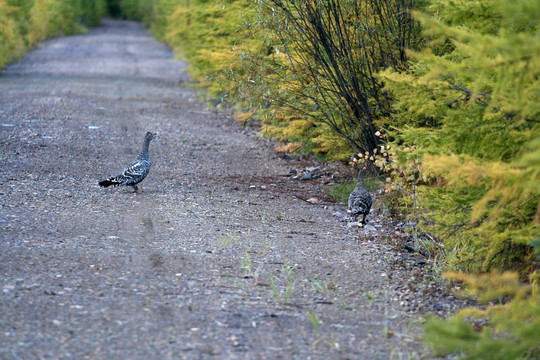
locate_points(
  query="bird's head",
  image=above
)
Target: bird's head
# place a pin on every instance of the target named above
(150, 135)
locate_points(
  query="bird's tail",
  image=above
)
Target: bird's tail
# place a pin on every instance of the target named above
(108, 182)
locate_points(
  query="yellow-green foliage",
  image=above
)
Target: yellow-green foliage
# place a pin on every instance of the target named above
(238, 50)
(316, 139)
(11, 43)
(25, 22)
(326, 88)
(513, 321)
(470, 105)
(202, 32)
(51, 18)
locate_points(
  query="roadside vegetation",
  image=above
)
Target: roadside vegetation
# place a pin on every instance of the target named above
(443, 97)
(24, 23)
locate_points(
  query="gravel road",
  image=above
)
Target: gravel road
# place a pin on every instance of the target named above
(214, 258)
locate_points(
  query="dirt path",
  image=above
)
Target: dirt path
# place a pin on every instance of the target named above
(211, 260)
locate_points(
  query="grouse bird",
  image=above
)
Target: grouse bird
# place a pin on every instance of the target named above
(360, 200)
(136, 171)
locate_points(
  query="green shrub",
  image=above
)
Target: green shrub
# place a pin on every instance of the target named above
(468, 111)
(12, 44)
(509, 325)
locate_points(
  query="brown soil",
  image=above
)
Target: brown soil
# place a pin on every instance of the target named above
(219, 255)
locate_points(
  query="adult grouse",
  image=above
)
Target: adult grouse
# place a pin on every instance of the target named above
(136, 171)
(360, 200)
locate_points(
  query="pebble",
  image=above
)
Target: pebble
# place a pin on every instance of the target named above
(369, 229)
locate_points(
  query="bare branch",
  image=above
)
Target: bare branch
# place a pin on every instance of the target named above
(335, 53)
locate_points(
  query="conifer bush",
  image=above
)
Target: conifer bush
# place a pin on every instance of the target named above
(506, 329)
(469, 107)
(203, 33)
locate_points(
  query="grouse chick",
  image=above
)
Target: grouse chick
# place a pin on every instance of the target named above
(360, 200)
(136, 171)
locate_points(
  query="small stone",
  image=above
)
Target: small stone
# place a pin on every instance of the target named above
(234, 340)
(370, 229)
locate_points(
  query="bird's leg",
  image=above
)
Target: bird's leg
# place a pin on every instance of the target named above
(364, 219)
(135, 189)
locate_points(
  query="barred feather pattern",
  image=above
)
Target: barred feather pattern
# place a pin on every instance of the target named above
(136, 171)
(360, 200)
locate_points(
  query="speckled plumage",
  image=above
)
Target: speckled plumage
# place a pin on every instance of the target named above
(136, 171)
(360, 200)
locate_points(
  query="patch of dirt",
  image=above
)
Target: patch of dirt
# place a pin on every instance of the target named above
(203, 262)
(283, 185)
